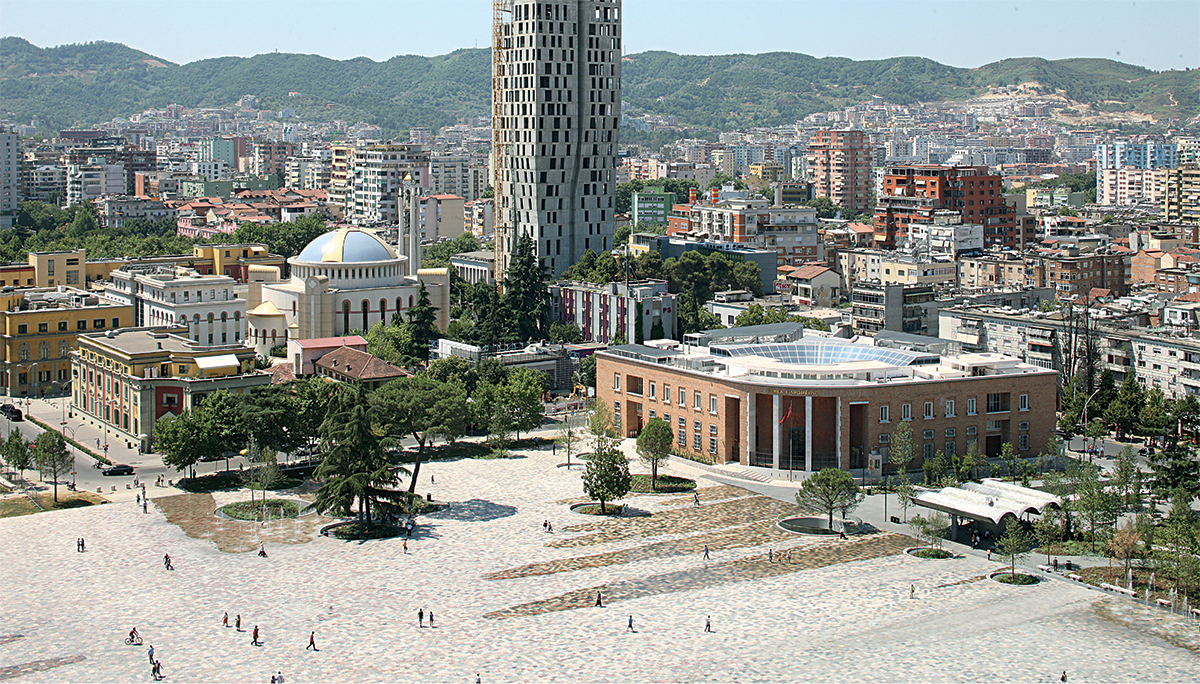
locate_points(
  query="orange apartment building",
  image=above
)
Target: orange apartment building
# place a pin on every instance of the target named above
(912, 194)
(840, 163)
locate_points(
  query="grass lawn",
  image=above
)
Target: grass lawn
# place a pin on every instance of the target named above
(1019, 578)
(1072, 547)
(594, 509)
(665, 484)
(252, 510)
(371, 530)
(21, 505)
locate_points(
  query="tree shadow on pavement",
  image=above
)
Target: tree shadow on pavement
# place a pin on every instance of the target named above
(474, 510)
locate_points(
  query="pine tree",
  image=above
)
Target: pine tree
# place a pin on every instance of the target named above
(526, 296)
(421, 319)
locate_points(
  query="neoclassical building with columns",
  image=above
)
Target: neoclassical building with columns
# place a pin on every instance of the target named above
(819, 402)
(345, 280)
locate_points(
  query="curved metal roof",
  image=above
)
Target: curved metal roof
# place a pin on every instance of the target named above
(823, 352)
(347, 245)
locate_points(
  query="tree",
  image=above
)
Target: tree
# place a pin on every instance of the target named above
(654, 446)
(452, 369)
(935, 468)
(1178, 541)
(587, 371)
(1014, 544)
(1154, 418)
(53, 459)
(1127, 479)
(1008, 454)
(312, 397)
(829, 490)
(224, 417)
(525, 294)
(606, 476)
(824, 206)
(394, 343)
(565, 333)
(1125, 410)
(522, 398)
(1096, 503)
(970, 462)
(931, 530)
(1125, 544)
(1046, 533)
(600, 424)
(422, 408)
(421, 324)
(568, 435)
(901, 450)
(183, 440)
(16, 452)
(1174, 468)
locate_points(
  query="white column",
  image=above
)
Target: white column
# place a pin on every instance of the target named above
(776, 428)
(751, 422)
(808, 402)
(838, 435)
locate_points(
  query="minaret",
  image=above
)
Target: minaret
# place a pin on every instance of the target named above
(410, 244)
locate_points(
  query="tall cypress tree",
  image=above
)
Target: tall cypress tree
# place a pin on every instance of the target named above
(526, 296)
(421, 318)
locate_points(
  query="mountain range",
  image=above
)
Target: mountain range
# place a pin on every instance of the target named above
(85, 84)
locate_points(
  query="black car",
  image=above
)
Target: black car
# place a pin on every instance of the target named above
(11, 412)
(118, 469)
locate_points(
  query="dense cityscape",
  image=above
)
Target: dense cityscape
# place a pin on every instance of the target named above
(885, 372)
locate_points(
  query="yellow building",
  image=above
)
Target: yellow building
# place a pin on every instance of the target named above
(1181, 201)
(39, 329)
(125, 380)
(768, 171)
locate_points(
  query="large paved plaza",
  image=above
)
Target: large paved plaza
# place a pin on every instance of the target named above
(514, 603)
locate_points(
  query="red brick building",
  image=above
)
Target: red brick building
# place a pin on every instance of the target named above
(911, 194)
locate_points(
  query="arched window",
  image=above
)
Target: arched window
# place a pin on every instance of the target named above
(410, 301)
(44, 350)
(224, 317)
(237, 316)
(196, 319)
(210, 319)
(345, 317)
(383, 310)
(366, 311)
(64, 348)
(272, 336)
(399, 304)
(182, 319)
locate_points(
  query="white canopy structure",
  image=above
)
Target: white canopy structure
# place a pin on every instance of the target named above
(990, 501)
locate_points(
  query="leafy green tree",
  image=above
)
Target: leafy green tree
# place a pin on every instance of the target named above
(831, 489)
(522, 398)
(393, 343)
(969, 465)
(601, 425)
(452, 369)
(1125, 410)
(1095, 501)
(312, 397)
(1014, 544)
(565, 333)
(16, 452)
(824, 206)
(1127, 479)
(53, 459)
(270, 414)
(423, 409)
(1046, 533)
(587, 371)
(525, 293)
(606, 476)
(901, 449)
(224, 414)
(1008, 454)
(930, 530)
(1153, 418)
(654, 446)
(1125, 544)
(1176, 544)
(490, 370)
(184, 439)
(935, 468)
(1173, 468)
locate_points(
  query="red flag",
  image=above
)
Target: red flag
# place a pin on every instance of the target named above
(786, 415)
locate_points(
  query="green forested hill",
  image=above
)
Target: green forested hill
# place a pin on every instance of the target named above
(85, 84)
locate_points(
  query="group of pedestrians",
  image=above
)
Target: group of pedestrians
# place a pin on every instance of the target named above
(708, 629)
(80, 545)
(155, 664)
(421, 617)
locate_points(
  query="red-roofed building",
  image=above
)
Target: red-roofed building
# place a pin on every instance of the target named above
(304, 353)
(359, 367)
(815, 285)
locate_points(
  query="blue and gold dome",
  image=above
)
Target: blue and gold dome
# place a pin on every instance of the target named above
(347, 245)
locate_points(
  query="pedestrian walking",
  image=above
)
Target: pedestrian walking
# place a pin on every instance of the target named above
(706, 552)
(156, 670)
(1063, 678)
(279, 676)
(549, 527)
(989, 554)
(630, 628)
(225, 620)
(599, 600)
(167, 561)
(254, 636)
(420, 617)
(150, 653)
(237, 623)
(696, 498)
(312, 641)
(477, 679)
(405, 546)
(137, 498)
(770, 555)
(708, 623)
(430, 478)
(145, 508)
(912, 591)
(431, 619)
(545, 525)
(1055, 565)
(78, 544)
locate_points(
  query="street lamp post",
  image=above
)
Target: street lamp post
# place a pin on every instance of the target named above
(1085, 413)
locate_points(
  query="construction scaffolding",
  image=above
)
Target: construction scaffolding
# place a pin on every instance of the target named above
(502, 24)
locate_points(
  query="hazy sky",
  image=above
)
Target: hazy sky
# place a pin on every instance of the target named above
(1158, 34)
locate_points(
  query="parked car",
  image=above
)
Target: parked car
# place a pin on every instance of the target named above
(11, 412)
(118, 469)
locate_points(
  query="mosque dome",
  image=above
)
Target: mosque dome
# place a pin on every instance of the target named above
(347, 245)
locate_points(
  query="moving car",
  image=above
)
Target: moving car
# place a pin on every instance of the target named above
(11, 412)
(118, 469)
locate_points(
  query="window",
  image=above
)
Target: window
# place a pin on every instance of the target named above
(950, 450)
(43, 327)
(98, 323)
(62, 326)
(696, 400)
(949, 408)
(666, 393)
(617, 382)
(885, 439)
(972, 430)
(928, 434)
(928, 409)
(1024, 402)
(712, 445)
(1023, 443)
(617, 415)
(653, 391)
(950, 432)
(22, 329)
(971, 407)
(906, 412)
(927, 450)
(712, 403)
(1023, 426)
(885, 414)
(682, 397)
(667, 419)
(683, 432)
(995, 425)
(23, 352)
(116, 322)
(696, 440)
(81, 325)
(997, 402)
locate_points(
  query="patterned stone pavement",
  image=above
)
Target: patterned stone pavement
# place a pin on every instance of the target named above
(849, 619)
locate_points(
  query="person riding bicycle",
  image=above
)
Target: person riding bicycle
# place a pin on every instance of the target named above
(133, 634)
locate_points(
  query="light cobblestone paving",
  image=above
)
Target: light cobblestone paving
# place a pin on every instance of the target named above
(65, 614)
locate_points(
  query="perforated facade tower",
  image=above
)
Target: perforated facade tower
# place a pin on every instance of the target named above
(556, 108)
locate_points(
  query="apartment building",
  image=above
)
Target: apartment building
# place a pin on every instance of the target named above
(652, 205)
(1130, 185)
(442, 217)
(270, 157)
(88, 182)
(999, 271)
(376, 176)
(1073, 274)
(454, 174)
(915, 194)
(556, 94)
(479, 216)
(879, 306)
(115, 211)
(894, 268)
(634, 312)
(1181, 196)
(39, 328)
(839, 164)
(11, 160)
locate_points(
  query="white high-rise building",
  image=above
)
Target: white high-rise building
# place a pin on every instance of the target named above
(10, 176)
(556, 108)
